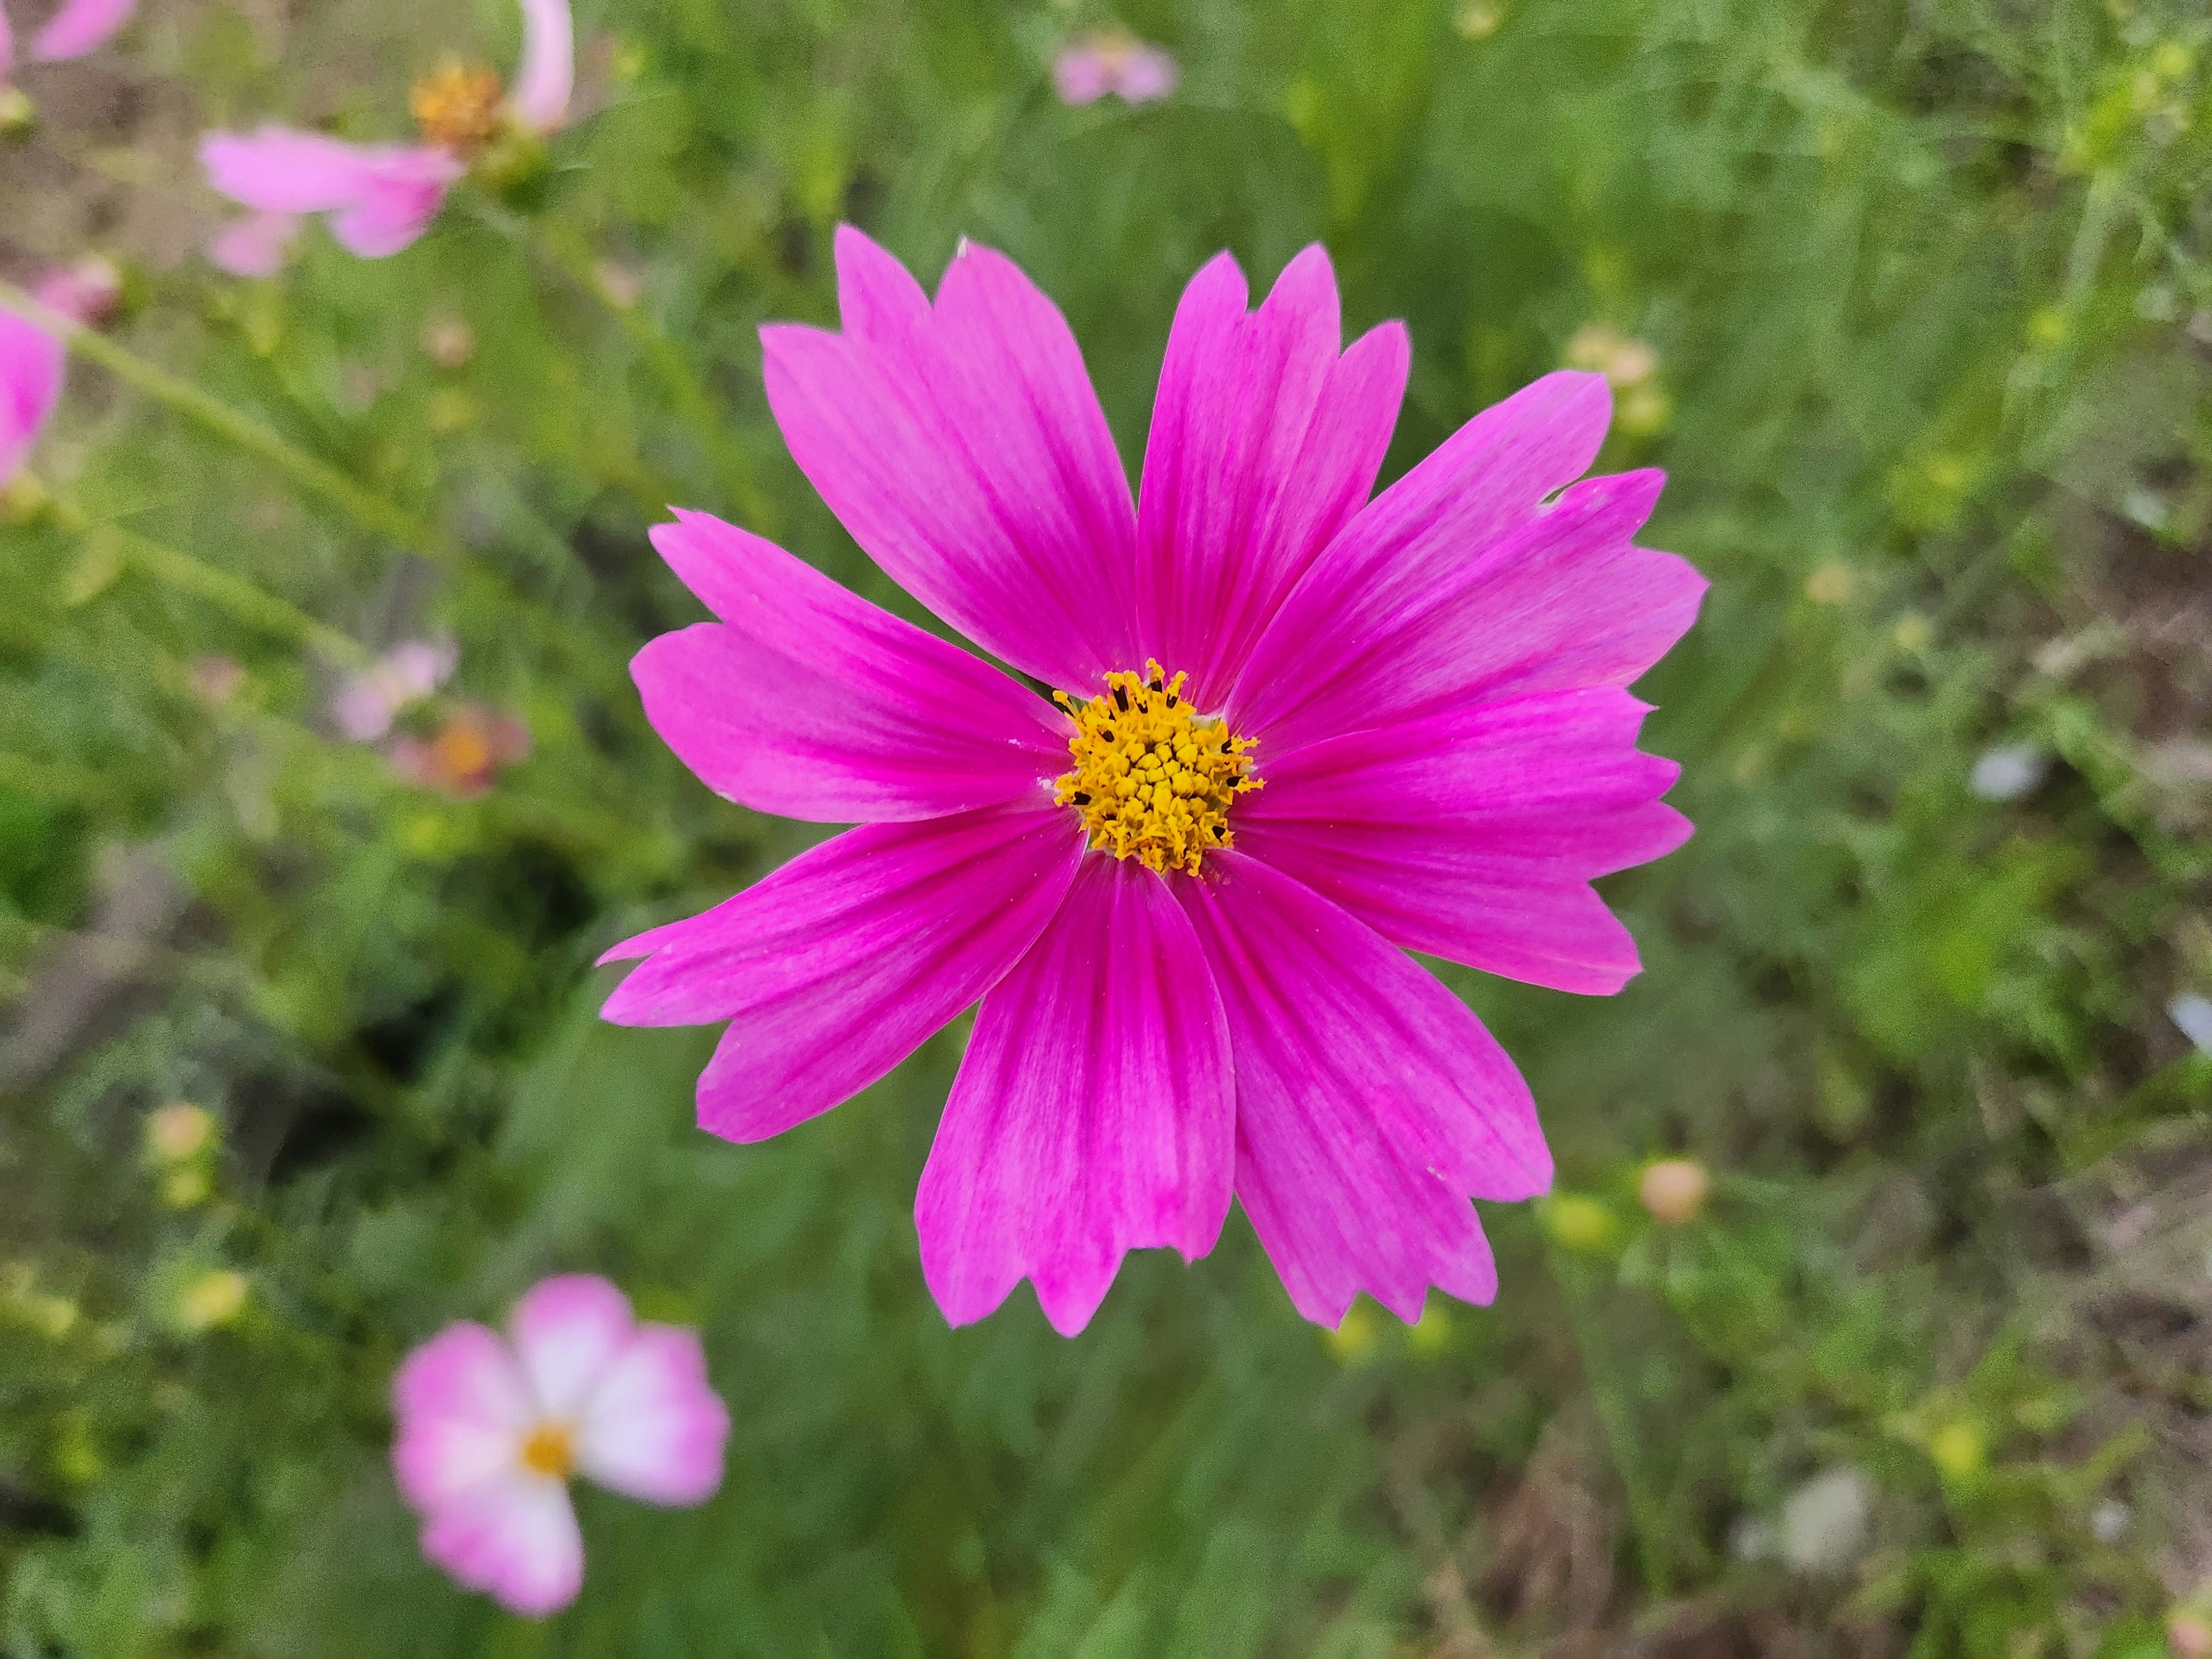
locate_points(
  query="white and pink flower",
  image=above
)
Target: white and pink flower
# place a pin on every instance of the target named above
(490, 1428)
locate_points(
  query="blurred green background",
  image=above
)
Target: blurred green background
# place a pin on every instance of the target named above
(1911, 300)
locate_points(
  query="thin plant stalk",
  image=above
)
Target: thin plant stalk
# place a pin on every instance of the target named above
(319, 478)
(567, 252)
(1611, 1399)
(246, 601)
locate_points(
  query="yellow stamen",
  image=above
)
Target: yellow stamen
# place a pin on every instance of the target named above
(550, 1450)
(1153, 779)
(456, 107)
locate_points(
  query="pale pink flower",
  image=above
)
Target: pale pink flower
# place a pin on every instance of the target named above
(491, 1428)
(546, 77)
(1092, 66)
(80, 27)
(86, 292)
(466, 756)
(380, 198)
(31, 364)
(366, 703)
(254, 246)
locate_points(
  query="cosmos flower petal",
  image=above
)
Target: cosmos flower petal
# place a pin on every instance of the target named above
(1473, 834)
(1484, 484)
(254, 246)
(382, 196)
(33, 364)
(964, 449)
(653, 1429)
(401, 195)
(1094, 1112)
(1264, 443)
(1371, 1103)
(284, 170)
(808, 702)
(1566, 599)
(515, 1539)
(546, 77)
(463, 1405)
(835, 967)
(568, 1332)
(80, 27)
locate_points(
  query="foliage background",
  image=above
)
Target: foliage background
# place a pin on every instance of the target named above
(1928, 290)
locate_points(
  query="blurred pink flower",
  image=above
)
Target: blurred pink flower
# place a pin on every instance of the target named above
(466, 756)
(80, 27)
(490, 1429)
(31, 364)
(367, 702)
(254, 246)
(380, 197)
(215, 678)
(546, 77)
(1090, 66)
(86, 292)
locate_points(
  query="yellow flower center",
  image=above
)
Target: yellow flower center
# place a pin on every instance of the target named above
(457, 108)
(550, 1450)
(1153, 779)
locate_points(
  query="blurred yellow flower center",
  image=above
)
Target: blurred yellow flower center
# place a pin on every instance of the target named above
(456, 107)
(1153, 779)
(550, 1450)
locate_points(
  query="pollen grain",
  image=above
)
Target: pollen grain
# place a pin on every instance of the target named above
(1153, 779)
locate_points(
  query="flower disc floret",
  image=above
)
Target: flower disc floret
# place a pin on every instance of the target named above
(457, 107)
(1153, 779)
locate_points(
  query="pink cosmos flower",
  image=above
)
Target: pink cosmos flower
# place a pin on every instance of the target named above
(1192, 984)
(86, 292)
(466, 754)
(78, 28)
(381, 197)
(490, 1428)
(366, 703)
(32, 366)
(1090, 66)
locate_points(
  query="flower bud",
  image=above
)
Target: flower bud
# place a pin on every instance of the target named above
(1674, 1190)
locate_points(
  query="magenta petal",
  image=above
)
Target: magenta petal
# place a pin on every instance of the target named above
(1371, 1103)
(833, 969)
(1473, 834)
(653, 1429)
(80, 27)
(515, 1540)
(32, 364)
(1264, 444)
(962, 446)
(462, 1407)
(810, 703)
(1094, 1112)
(1485, 482)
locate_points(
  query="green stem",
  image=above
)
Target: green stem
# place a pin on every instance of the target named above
(568, 253)
(1644, 1510)
(254, 605)
(370, 511)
